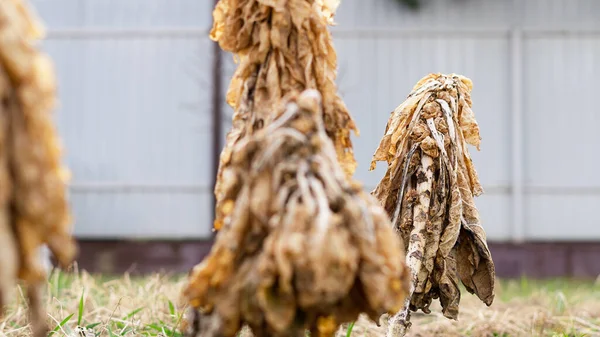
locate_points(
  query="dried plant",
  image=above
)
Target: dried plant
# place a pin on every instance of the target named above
(428, 191)
(304, 247)
(33, 205)
(282, 47)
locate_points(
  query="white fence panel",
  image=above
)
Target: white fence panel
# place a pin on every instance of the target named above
(134, 85)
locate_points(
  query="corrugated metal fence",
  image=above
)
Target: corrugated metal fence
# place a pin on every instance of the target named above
(135, 85)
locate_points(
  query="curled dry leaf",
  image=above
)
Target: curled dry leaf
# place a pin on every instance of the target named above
(304, 246)
(33, 205)
(428, 190)
(281, 47)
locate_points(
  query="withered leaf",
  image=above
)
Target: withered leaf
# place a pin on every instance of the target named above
(440, 226)
(325, 250)
(282, 48)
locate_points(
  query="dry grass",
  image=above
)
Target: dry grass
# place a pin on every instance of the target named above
(129, 306)
(86, 305)
(522, 308)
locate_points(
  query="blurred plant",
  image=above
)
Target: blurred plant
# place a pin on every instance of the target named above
(412, 4)
(34, 210)
(417, 4)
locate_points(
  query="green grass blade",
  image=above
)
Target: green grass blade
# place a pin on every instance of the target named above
(177, 324)
(349, 330)
(171, 308)
(80, 315)
(154, 327)
(561, 303)
(61, 324)
(131, 314)
(92, 326)
(126, 331)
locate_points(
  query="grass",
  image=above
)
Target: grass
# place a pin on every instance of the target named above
(554, 308)
(91, 305)
(87, 305)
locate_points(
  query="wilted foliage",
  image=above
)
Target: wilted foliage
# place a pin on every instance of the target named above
(33, 206)
(281, 46)
(304, 247)
(428, 191)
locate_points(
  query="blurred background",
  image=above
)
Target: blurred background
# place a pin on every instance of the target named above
(142, 116)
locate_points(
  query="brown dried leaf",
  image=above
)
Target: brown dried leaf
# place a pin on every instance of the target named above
(322, 250)
(442, 247)
(283, 47)
(430, 148)
(469, 126)
(477, 271)
(447, 282)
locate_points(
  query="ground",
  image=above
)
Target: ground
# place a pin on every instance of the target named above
(129, 306)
